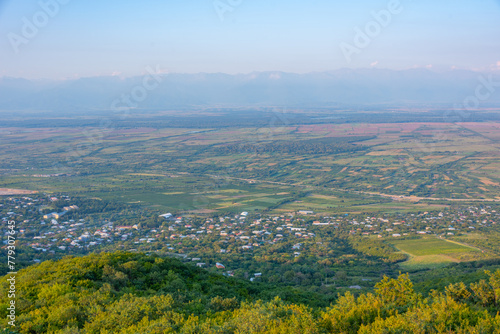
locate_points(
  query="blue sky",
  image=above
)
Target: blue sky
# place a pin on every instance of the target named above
(90, 38)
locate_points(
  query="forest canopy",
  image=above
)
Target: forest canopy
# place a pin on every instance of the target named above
(137, 293)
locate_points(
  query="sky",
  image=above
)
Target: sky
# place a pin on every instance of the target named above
(63, 39)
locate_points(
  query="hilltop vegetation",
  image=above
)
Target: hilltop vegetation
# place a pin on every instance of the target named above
(135, 293)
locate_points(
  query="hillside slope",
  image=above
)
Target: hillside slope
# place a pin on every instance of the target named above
(136, 293)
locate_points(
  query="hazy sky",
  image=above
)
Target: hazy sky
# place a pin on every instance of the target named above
(91, 37)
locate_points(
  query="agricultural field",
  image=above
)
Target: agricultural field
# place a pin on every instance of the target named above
(434, 252)
(327, 168)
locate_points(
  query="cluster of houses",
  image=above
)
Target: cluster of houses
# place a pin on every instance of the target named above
(57, 215)
(242, 232)
(443, 223)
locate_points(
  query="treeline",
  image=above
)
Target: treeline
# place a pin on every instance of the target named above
(377, 248)
(490, 243)
(329, 145)
(91, 205)
(242, 118)
(135, 293)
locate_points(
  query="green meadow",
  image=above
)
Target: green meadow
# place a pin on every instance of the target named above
(433, 252)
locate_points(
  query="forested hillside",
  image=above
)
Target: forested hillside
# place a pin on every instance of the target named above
(137, 293)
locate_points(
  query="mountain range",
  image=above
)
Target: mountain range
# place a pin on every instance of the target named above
(318, 89)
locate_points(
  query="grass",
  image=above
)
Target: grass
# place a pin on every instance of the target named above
(427, 262)
(433, 252)
(430, 246)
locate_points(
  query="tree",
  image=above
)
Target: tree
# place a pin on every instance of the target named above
(398, 291)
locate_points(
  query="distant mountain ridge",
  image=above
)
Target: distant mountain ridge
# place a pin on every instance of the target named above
(344, 86)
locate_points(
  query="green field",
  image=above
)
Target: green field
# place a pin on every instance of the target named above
(433, 252)
(326, 168)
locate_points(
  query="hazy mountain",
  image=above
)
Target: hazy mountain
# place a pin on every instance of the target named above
(345, 86)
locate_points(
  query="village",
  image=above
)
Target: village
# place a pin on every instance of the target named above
(216, 243)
